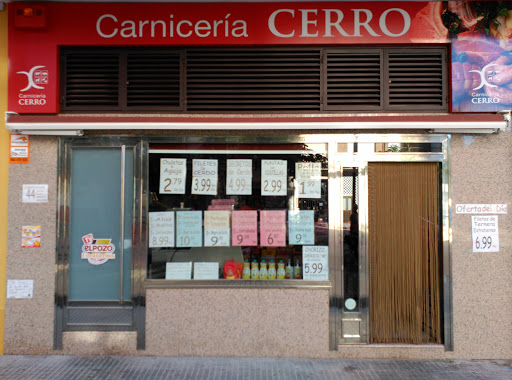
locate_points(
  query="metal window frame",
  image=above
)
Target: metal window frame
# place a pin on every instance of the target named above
(361, 160)
(139, 259)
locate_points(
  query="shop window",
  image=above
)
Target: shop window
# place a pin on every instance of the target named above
(218, 212)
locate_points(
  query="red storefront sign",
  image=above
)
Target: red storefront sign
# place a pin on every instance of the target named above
(36, 30)
(33, 49)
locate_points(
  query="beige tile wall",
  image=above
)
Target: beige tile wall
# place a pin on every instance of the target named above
(270, 322)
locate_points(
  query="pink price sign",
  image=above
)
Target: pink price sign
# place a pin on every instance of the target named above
(273, 228)
(244, 227)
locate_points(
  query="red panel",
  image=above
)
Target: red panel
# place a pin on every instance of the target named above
(33, 58)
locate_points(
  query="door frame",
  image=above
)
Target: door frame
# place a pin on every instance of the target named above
(131, 313)
(360, 158)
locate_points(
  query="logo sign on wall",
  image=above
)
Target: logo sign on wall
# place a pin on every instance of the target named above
(481, 55)
(97, 251)
(33, 93)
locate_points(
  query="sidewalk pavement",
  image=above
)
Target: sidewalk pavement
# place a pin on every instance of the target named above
(152, 368)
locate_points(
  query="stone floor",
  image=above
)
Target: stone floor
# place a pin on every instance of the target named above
(126, 367)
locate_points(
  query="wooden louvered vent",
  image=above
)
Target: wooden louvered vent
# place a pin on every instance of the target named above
(92, 81)
(253, 80)
(153, 80)
(416, 80)
(354, 80)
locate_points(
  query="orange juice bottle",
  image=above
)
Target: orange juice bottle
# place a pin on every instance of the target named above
(255, 271)
(246, 273)
(280, 270)
(272, 270)
(263, 270)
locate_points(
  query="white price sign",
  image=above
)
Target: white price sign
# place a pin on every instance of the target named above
(238, 177)
(216, 229)
(161, 229)
(308, 177)
(173, 172)
(485, 233)
(205, 177)
(274, 177)
(315, 262)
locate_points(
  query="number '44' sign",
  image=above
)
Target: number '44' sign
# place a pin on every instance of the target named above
(35, 194)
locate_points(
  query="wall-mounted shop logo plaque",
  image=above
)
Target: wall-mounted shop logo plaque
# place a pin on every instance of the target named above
(97, 251)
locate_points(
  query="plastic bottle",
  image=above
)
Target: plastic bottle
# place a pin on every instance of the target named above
(255, 271)
(280, 270)
(246, 272)
(296, 270)
(289, 271)
(263, 270)
(272, 270)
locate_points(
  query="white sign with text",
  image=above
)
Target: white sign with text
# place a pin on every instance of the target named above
(315, 262)
(485, 233)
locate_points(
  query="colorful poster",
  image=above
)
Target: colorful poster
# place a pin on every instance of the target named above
(481, 55)
(274, 176)
(238, 177)
(308, 176)
(244, 228)
(161, 229)
(315, 263)
(273, 228)
(204, 177)
(216, 228)
(31, 237)
(189, 229)
(301, 227)
(173, 173)
(97, 251)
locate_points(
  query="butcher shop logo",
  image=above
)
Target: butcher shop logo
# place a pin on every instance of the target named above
(486, 76)
(36, 77)
(97, 251)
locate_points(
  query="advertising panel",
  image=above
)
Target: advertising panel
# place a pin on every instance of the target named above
(481, 35)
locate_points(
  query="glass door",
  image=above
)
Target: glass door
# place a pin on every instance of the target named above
(100, 224)
(353, 300)
(99, 242)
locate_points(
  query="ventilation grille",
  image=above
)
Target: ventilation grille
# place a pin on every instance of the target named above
(153, 80)
(253, 80)
(354, 80)
(416, 80)
(92, 80)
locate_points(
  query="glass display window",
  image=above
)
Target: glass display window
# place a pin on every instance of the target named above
(238, 211)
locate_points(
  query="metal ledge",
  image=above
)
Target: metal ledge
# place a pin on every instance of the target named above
(75, 125)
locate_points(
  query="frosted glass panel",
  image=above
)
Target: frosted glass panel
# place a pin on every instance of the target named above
(96, 210)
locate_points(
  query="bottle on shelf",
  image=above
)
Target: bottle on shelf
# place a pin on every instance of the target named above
(263, 270)
(272, 270)
(255, 271)
(246, 272)
(297, 270)
(280, 270)
(289, 270)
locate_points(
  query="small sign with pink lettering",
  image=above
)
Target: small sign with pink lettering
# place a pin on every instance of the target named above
(273, 228)
(244, 226)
